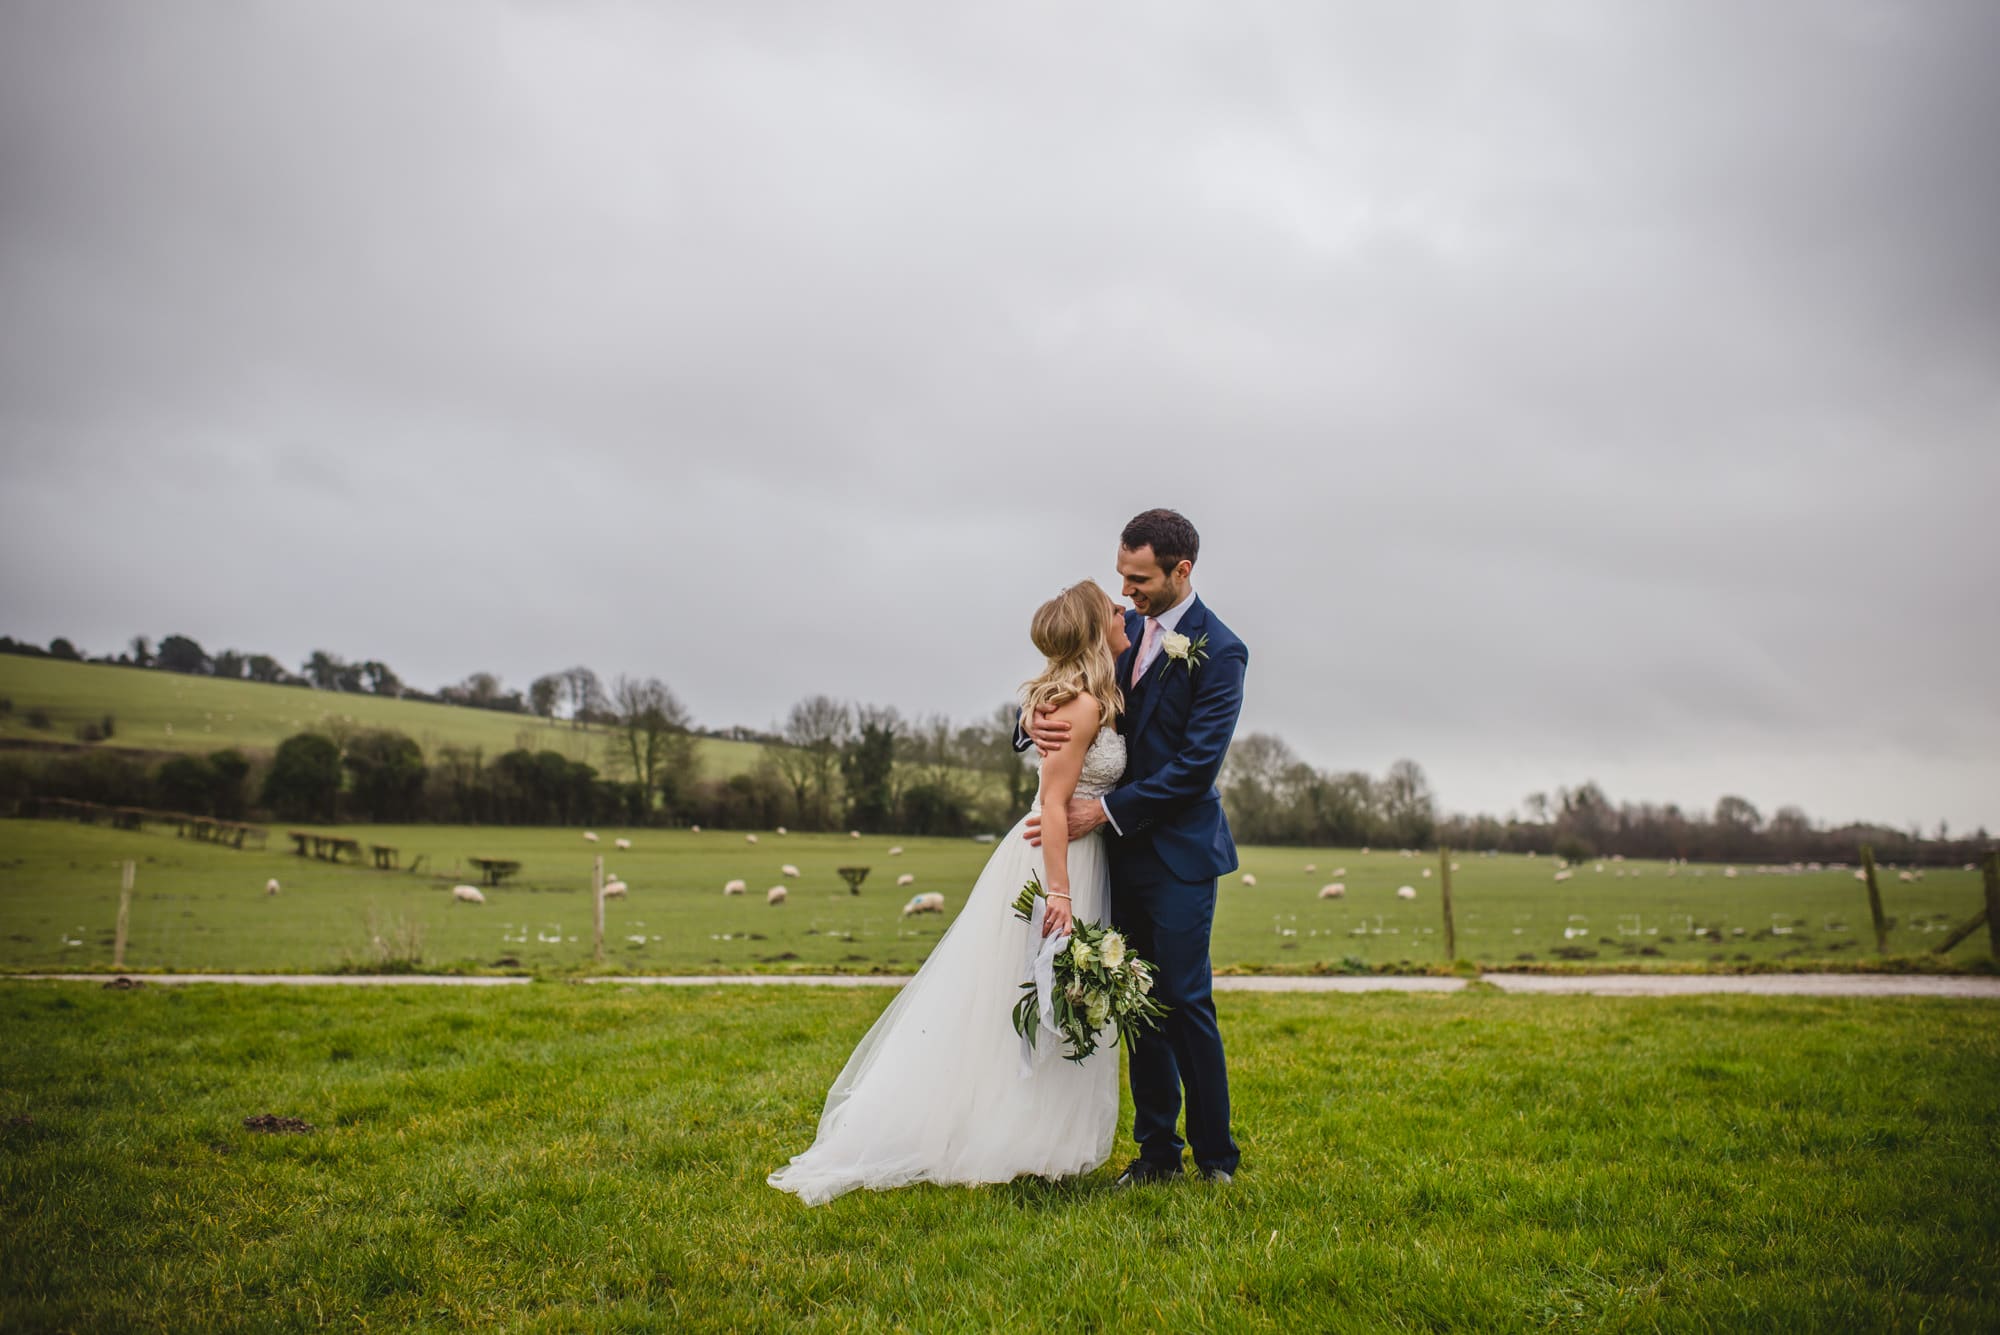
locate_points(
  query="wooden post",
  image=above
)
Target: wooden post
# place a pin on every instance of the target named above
(1992, 870)
(1875, 901)
(1960, 932)
(597, 895)
(124, 914)
(1444, 878)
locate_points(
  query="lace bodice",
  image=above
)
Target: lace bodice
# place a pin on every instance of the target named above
(1103, 766)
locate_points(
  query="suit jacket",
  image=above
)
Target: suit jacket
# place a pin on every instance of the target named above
(1177, 726)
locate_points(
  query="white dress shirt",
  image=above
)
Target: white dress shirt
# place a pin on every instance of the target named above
(1168, 620)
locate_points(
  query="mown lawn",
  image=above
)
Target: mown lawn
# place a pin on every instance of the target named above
(562, 1157)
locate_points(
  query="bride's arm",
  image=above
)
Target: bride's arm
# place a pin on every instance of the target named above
(1060, 772)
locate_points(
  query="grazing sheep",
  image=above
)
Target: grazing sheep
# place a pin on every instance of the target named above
(1427, 873)
(749, 838)
(907, 878)
(932, 902)
(789, 870)
(1406, 892)
(1564, 875)
(1334, 891)
(590, 836)
(1454, 866)
(783, 830)
(1729, 873)
(775, 895)
(1905, 877)
(1340, 871)
(735, 887)
(271, 886)
(896, 852)
(621, 843)
(1248, 879)
(694, 829)
(1311, 867)
(614, 890)
(854, 834)
(467, 894)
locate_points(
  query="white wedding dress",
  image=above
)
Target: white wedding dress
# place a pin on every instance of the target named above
(940, 1089)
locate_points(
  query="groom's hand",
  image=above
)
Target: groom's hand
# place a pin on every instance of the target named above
(1085, 814)
(1047, 732)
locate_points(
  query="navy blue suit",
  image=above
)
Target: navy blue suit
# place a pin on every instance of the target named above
(1170, 844)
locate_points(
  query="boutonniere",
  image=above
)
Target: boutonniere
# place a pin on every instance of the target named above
(1188, 653)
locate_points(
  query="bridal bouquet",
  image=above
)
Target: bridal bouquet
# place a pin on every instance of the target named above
(1098, 981)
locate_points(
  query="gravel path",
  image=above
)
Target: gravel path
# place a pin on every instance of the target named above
(1602, 985)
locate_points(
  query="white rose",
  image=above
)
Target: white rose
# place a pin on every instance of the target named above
(1113, 950)
(1174, 644)
(1079, 952)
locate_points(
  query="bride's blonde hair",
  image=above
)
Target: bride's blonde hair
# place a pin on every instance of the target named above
(1069, 630)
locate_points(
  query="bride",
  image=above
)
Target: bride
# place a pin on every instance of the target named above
(939, 1090)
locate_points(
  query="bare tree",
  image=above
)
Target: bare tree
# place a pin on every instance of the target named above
(585, 695)
(653, 735)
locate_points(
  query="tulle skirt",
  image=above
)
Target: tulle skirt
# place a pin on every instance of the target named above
(937, 1091)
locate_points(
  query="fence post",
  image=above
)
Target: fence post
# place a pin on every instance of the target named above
(1444, 879)
(1992, 870)
(125, 913)
(1875, 900)
(597, 897)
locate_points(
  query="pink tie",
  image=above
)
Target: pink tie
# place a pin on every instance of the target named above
(1145, 647)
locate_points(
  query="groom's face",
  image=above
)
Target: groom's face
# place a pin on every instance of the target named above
(1152, 589)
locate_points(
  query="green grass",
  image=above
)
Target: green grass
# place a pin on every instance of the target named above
(165, 711)
(199, 907)
(561, 1158)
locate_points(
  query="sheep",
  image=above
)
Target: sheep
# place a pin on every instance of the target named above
(1905, 877)
(621, 844)
(783, 830)
(734, 887)
(1335, 890)
(694, 829)
(933, 902)
(1406, 892)
(590, 836)
(896, 852)
(907, 878)
(1729, 873)
(1311, 867)
(1564, 875)
(1340, 871)
(1249, 880)
(789, 870)
(271, 886)
(775, 895)
(614, 890)
(854, 834)
(1860, 875)
(1427, 873)
(749, 838)
(467, 894)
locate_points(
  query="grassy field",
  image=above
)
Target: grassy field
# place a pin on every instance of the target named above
(563, 1158)
(164, 711)
(199, 907)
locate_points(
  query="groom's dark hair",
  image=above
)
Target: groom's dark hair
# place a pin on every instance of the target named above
(1167, 532)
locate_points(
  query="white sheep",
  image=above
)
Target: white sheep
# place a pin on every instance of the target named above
(1340, 871)
(1905, 877)
(694, 829)
(614, 890)
(467, 894)
(271, 886)
(1248, 879)
(896, 852)
(590, 836)
(1334, 891)
(735, 887)
(775, 895)
(749, 838)
(1406, 892)
(1729, 873)
(789, 870)
(1311, 867)
(1564, 875)
(783, 830)
(854, 834)
(907, 878)
(621, 844)
(932, 902)
(1427, 873)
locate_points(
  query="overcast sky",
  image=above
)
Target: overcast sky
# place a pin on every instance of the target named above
(1562, 391)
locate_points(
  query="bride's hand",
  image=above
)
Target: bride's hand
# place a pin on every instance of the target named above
(1057, 917)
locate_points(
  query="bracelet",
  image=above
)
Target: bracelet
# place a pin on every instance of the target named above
(1057, 895)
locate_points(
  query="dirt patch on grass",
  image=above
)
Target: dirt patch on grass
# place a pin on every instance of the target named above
(274, 1125)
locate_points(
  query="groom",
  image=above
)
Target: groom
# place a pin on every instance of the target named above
(1167, 839)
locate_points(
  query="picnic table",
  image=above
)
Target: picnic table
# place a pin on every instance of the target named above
(325, 847)
(495, 870)
(384, 855)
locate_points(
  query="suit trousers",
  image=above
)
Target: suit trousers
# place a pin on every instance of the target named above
(1181, 1062)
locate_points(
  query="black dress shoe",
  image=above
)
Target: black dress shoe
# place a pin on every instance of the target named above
(1221, 1177)
(1141, 1171)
